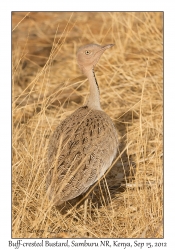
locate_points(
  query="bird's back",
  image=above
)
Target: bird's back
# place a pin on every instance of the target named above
(80, 150)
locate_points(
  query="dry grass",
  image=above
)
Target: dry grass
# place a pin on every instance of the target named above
(47, 86)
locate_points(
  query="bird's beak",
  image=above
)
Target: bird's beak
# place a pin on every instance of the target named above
(107, 46)
(101, 51)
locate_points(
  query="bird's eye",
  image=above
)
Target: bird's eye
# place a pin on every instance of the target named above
(87, 52)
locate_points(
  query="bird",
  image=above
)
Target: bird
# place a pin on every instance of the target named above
(84, 145)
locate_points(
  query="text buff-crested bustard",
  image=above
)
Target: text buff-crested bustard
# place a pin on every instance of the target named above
(84, 145)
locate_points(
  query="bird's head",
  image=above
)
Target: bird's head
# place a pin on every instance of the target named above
(88, 56)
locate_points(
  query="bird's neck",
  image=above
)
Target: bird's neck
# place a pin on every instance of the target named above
(93, 100)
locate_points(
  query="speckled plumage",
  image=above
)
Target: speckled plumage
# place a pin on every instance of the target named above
(86, 143)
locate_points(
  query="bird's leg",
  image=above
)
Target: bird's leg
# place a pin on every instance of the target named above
(85, 211)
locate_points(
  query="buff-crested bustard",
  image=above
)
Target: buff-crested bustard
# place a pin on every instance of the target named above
(83, 145)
